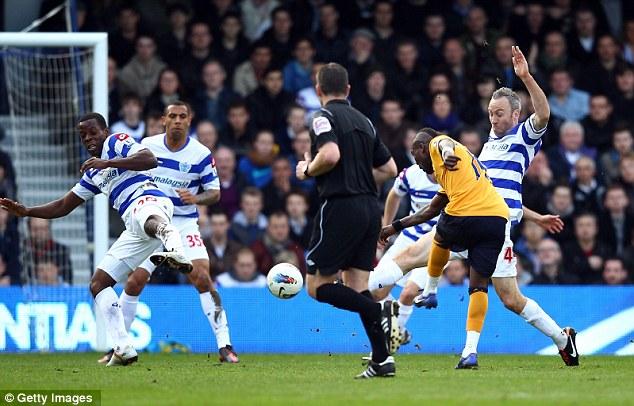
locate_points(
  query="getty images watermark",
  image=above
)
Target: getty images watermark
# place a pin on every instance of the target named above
(50, 397)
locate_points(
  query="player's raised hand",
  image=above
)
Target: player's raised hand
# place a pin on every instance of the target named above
(186, 196)
(15, 208)
(520, 65)
(93, 163)
(551, 223)
(300, 169)
(386, 232)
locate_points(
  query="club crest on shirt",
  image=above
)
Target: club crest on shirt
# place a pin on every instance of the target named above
(184, 167)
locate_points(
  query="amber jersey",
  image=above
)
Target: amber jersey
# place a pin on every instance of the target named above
(468, 188)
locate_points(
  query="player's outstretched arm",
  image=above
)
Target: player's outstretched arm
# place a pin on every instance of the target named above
(139, 161)
(538, 98)
(206, 198)
(549, 222)
(56, 208)
(427, 213)
(392, 202)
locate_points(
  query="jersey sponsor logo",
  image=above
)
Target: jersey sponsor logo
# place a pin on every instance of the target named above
(494, 146)
(171, 182)
(105, 176)
(184, 167)
(321, 125)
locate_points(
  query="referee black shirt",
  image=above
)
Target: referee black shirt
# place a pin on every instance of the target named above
(359, 146)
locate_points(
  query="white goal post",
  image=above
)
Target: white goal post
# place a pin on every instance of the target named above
(98, 42)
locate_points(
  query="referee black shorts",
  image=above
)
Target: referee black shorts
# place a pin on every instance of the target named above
(482, 236)
(345, 235)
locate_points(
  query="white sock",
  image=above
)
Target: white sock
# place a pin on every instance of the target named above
(128, 308)
(108, 302)
(431, 286)
(471, 346)
(170, 237)
(404, 313)
(217, 319)
(387, 273)
(538, 318)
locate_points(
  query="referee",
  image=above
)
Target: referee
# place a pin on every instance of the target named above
(348, 161)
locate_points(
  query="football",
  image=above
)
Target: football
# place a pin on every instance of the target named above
(285, 280)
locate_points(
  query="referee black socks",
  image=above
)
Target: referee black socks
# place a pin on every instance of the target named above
(342, 297)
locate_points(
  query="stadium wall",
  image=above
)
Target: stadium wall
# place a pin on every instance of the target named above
(170, 318)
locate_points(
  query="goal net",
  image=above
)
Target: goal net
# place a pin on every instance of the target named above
(51, 80)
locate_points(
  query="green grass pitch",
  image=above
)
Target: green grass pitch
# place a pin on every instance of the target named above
(198, 379)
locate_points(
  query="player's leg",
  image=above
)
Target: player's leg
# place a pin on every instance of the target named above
(478, 306)
(564, 338)
(211, 305)
(438, 258)
(416, 281)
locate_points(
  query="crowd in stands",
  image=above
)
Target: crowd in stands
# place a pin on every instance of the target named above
(248, 69)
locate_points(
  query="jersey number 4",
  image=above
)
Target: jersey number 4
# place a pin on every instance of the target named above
(508, 254)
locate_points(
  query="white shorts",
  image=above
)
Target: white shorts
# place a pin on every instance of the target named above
(416, 275)
(133, 245)
(506, 263)
(190, 236)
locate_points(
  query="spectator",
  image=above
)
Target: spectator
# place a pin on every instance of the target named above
(585, 255)
(624, 100)
(476, 113)
(298, 70)
(529, 28)
(122, 40)
(562, 157)
(331, 41)
(301, 145)
(361, 59)
(40, 246)
(249, 223)
(256, 17)
(628, 41)
(239, 132)
(622, 144)
(551, 270)
(213, 12)
(5, 277)
(554, 56)
(616, 222)
(295, 123)
(567, 102)
(172, 44)
(280, 185)
(9, 249)
(141, 74)
(460, 76)
(214, 98)
(409, 77)
(626, 168)
(586, 190)
(455, 273)
(628, 252)
(439, 82)
(614, 272)
(561, 204)
(207, 134)
(431, 49)
(47, 273)
(232, 46)
(501, 66)
(279, 36)
(471, 139)
(200, 51)
(231, 185)
(167, 91)
(477, 38)
(391, 129)
(222, 250)
(275, 242)
(256, 165)
(250, 73)
(154, 124)
(442, 117)
(244, 273)
(599, 75)
(114, 91)
(131, 122)
(527, 244)
(301, 225)
(371, 97)
(269, 101)
(524, 271)
(537, 182)
(583, 40)
(599, 124)
(307, 97)
(385, 36)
